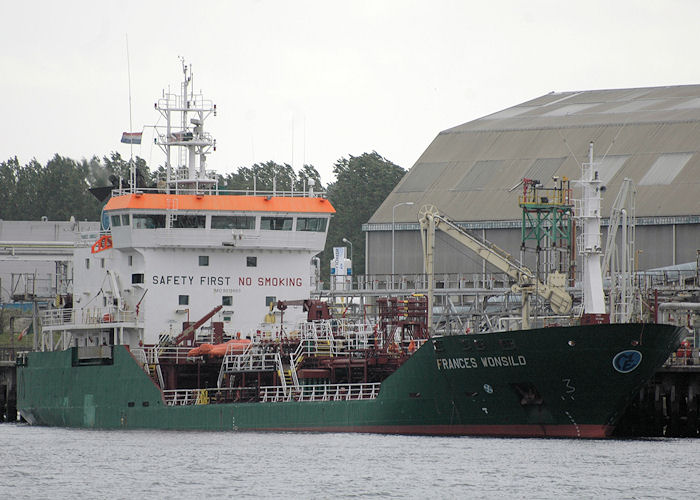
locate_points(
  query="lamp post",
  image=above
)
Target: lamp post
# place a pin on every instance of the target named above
(345, 240)
(393, 227)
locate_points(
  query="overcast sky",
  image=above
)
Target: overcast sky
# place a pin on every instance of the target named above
(312, 81)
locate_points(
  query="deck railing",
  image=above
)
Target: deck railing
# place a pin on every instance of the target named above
(86, 316)
(272, 394)
(216, 191)
(323, 392)
(177, 354)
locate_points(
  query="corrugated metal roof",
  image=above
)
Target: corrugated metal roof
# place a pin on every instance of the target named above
(651, 135)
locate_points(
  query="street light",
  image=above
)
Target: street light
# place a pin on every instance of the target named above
(393, 226)
(345, 240)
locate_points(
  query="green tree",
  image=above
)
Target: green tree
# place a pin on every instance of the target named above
(8, 187)
(59, 189)
(362, 183)
(263, 176)
(62, 190)
(119, 168)
(27, 198)
(306, 174)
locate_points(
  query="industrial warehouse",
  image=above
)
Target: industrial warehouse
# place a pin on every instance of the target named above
(474, 172)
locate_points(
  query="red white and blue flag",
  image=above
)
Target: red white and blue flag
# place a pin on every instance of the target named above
(24, 332)
(132, 137)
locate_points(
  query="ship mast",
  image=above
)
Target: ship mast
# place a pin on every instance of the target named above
(190, 142)
(590, 242)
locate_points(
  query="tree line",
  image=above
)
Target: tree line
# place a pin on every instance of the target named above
(61, 189)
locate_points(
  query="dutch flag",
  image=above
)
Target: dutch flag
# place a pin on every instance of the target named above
(132, 137)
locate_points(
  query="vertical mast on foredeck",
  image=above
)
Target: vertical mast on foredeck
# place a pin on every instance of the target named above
(590, 242)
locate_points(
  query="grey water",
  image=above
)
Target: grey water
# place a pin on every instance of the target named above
(52, 463)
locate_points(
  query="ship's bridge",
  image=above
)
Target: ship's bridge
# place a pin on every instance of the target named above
(144, 219)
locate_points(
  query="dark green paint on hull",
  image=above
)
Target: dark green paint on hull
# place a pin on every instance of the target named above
(557, 382)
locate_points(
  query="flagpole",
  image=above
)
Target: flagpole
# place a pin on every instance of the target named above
(35, 340)
(132, 170)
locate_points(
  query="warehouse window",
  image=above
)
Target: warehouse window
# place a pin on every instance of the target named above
(609, 166)
(665, 169)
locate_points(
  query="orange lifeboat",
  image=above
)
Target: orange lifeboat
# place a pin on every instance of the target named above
(219, 350)
(200, 350)
(237, 346)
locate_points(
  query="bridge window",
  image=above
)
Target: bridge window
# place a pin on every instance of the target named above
(116, 221)
(149, 221)
(227, 300)
(137, 278)
(183, 300)
(125, 219)
(203, 260)
(232, 222)
(188, 222)
(251, 261)
(317, 224)
(270, 300)
(276, 223)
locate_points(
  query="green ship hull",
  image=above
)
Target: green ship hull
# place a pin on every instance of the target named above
(550, 382)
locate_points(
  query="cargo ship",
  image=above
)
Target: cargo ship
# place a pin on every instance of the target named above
(190, 310)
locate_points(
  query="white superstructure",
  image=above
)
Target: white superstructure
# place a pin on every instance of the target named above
(174, 253)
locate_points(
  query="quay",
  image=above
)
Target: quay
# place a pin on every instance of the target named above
(8, 385)
(669, 405)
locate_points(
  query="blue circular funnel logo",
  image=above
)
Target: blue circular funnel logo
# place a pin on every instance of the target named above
(626, 361)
